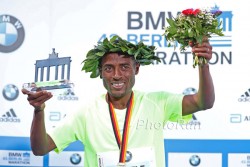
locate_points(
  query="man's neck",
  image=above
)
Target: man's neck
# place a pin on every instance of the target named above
(120, 103)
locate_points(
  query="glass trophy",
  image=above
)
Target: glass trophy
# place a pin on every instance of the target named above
(44, 68)
(55, 86)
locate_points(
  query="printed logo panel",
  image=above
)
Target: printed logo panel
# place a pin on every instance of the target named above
(66, 158)
(20, 158)
(238, 160)
(195, 159)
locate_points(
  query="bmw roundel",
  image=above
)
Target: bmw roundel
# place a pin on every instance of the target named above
(194, 160)
(10, 92)
(11, 33)
(75, 158)
(189, 91)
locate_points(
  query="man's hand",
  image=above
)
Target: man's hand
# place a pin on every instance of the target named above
(37, 99)
(202, 50)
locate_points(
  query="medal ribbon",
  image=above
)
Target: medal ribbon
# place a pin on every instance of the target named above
(122, 144)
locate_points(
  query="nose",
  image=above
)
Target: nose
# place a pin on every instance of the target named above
(117, 74)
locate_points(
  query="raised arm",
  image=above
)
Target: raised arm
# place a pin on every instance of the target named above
(41, 142)
(204, 98)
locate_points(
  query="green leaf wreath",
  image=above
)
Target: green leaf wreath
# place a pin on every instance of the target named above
(192, 26)
(143, 54)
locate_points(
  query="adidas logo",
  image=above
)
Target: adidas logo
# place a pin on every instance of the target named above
(246, 94)
(194, 121)
(10, 116)
(194, 117)
(245, 97)
(69, 94)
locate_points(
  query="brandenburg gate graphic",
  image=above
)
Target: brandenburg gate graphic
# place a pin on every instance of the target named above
(52, 61)
(59, 66)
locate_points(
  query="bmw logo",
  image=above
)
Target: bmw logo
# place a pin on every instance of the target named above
(10, 92)
(75, 159)
(11, 33)
(194, 160)
(189, 91)
(128, 156)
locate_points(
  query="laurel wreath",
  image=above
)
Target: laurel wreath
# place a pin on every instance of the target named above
(142, 53)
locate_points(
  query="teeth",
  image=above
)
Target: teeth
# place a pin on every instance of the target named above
(117, 84)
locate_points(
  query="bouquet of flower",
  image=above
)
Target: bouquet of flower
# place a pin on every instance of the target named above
(193, 25)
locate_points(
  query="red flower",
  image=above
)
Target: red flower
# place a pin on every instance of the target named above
(191, 11)
(196, 11)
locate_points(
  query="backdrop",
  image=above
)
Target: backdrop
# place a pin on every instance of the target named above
(29, 30)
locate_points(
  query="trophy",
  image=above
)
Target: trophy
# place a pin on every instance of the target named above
(57, 85)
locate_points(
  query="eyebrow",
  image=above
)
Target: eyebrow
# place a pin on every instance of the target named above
(107, 64)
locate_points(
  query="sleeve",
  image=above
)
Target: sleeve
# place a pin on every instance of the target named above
(72, 128)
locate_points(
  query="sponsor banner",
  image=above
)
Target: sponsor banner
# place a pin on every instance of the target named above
(194, 159)
(72, 28)
(66, 158)
(135, 23)
(192, 147)
(19, 158)
(239, 160)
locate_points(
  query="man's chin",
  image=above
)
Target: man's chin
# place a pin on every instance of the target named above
(117, 94)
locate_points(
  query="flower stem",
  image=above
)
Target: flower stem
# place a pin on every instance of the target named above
(198, 60)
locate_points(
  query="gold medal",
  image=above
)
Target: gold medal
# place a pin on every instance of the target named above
(128, 156)
(120, 164)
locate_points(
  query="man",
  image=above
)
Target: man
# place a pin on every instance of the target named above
(111, 127)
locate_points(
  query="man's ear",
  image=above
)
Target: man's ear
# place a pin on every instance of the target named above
(137, 67)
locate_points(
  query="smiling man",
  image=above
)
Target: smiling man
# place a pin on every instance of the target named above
(118, 73)
(108, 126)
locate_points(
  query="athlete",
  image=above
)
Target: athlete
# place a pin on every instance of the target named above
(111, 127)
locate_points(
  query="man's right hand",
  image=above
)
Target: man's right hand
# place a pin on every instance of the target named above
(37, 99)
